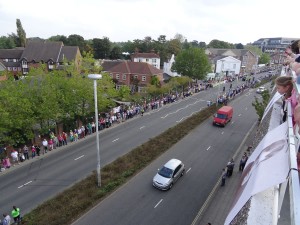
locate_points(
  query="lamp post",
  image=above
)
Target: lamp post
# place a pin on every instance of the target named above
(96, 77)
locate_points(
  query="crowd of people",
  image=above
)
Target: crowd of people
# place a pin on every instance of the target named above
(15, 214)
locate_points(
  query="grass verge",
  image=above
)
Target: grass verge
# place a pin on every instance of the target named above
(82, 196)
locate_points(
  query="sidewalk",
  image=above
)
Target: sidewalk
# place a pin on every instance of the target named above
(218, 204)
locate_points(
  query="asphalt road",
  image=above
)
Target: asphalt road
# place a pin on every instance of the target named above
(30, 184)
(205, 151)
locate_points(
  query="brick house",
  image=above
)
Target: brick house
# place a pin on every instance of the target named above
(248, 59)
(53, 54)
(125, 72)
(150, 58)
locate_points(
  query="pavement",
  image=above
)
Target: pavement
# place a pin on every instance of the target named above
(218, 204)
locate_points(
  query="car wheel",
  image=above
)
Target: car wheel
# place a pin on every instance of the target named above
(182, 173)
(171, 185)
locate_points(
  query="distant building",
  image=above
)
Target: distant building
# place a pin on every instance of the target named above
(150, 58)
(132, 74)
(273, 45)
(248, 60)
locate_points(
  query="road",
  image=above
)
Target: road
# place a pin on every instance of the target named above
(205, 151)
(44, 177)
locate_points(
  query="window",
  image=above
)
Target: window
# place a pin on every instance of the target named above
(136, 76)
(117, 76)
(124, 76)
(153, 60)
(234, 66)
(143, 78)
(147, 60)
(111, 75)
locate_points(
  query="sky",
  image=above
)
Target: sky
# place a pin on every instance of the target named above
(233, 21)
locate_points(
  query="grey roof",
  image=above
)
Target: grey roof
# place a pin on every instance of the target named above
(221, 51)
(11, 53)
(42, 51)
(68, 52)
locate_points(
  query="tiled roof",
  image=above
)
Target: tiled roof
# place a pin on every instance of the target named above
(130, 67)
(11, 53)
(68, 52)
(144, 55)
(38, 51)
(237, 52)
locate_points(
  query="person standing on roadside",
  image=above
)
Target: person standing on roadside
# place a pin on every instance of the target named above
(15, 213)
(230, 167)
(26, 152)
(6, 220)
(224, 174)
(45, 145)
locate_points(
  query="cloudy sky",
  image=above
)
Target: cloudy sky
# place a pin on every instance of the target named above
(234, 21)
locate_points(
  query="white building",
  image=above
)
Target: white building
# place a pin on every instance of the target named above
(228, 65)
(150, 58)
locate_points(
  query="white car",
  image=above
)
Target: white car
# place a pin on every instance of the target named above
(168, 174)
(261, 90)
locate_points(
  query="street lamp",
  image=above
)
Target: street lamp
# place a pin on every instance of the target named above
(96, 77)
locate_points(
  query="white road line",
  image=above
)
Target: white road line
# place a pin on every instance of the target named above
(208, 148)
(232, 122)
(142, 127)
(246, 108)
(240, 114)
(115, 140)
(222, 132)
(158, 203)
(188, 170)
(25, 184)
(79, 157)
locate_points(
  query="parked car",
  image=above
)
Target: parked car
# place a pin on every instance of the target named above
(261, 90)
(168, 174)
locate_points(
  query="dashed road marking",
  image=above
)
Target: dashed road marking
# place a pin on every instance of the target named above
(25, 184)
(188, 170)
(222, 132)
(79, 157)
(208, 148)
(158, 203)
(115, 140)
(142, 127)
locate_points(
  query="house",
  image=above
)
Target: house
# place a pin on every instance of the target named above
(131, 74)
(227, 66)
(150, 58)
(54, 54)
(272, 45)
(248, 59)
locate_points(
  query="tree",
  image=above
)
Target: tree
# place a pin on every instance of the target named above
(260, 106)
(116, 52)
(7, 43)
(264, 58)
(239, 46)
(21, 34)
(76, 40)
(61, 38)
(193, 63)
(220, 44)
(202, 44)
(102, 48)
(254, 49)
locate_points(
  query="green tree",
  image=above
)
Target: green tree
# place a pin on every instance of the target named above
(7, 43)
(155, 81)
(220, 44)
(116, 52)
(61, 38)
(21, 34)
(264, 58)
(239, 46)
(193, 63)
(260, 106)
(202, 44)
(76, 40)
(254, 49)
(102, 48)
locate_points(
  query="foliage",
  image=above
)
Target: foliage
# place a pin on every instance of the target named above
(254, 49)
(264, 58)
(21, 34)
(85, 194)
(260, 106)
(193, 63)
(7, 43)
(102, 48)
(219, 44)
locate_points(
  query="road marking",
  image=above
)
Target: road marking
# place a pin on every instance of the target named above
(246, 108)
(222, 132)
(79, 157)
(115, 140)
(188, 116)
(232, 122)
(208, 148)
(240, 114)
(25, 184)
(158, 203)
(142, 127)
(188, 170)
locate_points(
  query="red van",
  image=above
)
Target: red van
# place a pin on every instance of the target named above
(223, 116)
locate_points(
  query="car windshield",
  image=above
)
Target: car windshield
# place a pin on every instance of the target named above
(221, 116)
(165, 172)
